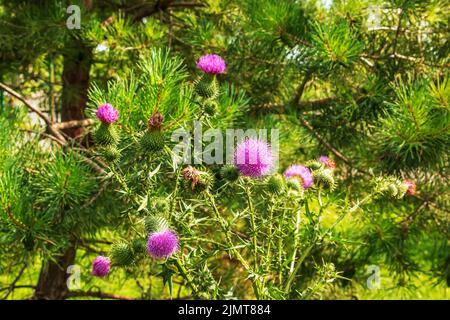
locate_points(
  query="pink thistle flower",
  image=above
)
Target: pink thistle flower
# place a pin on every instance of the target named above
(300, 172)
(101, 266)
(162, 244)
(211, 63)
(106, 113)
(328, 162)
(411, 186)
(253, 158)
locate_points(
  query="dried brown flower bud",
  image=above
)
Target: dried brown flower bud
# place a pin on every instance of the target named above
(155, 121)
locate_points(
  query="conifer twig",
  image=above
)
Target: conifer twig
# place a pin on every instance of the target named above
(54, 131)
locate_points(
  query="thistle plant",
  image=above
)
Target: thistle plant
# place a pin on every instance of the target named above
(268, 237)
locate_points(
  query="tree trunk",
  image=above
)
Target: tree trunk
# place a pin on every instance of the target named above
(52, 284)
(77, 63)
(75, 80)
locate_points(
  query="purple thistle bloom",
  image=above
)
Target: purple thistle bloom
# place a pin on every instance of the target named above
(211, 63)
(106, 113)
(328, 162)
(162, 244)
(301, 172)
(253, 158)
(101, 266)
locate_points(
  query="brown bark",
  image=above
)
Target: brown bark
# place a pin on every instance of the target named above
(75, 78)
(52, 282)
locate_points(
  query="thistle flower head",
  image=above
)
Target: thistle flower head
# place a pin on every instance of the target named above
(411, 187)
(162, 244)
(328, 162)
(106, 113)
(101, 266)
(300, 172)
(253, 158)
(211, 63)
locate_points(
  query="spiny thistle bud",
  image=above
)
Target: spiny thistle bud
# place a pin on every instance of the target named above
(391, 187)
(314, 165)
(121, 254)
(158, 205)
(198, 181)
(155, 121)
(211, 107)
(229, 173)
(392, 190)
(106, 135)
(152, 141)
(207, 87)
(275, 184)
(295, 188)
(155, 223)
(138, 246)
(325, 178)
(111, 153)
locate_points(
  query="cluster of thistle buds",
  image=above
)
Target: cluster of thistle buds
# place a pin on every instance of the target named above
(394, 187)
(161, 243)
(153, 138)
(206, 86)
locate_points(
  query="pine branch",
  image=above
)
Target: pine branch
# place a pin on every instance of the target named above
(74, 124)
(55, 132)
(13, 284)
(162, 5)
(333, 150)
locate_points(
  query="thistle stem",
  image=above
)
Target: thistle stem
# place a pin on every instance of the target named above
(256, 287)
(253, 225)
(319, 237)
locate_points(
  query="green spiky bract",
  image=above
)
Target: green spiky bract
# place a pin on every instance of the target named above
(121, 254)
(314, 165)
(207, 87)
(210, 107)
(295, 188)
(158, 205)
(325, 179)
(155, 223)
(111, 153)
(152, 141)
(138, 245)
(229, 173)
(275, 184)
(106, 135)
